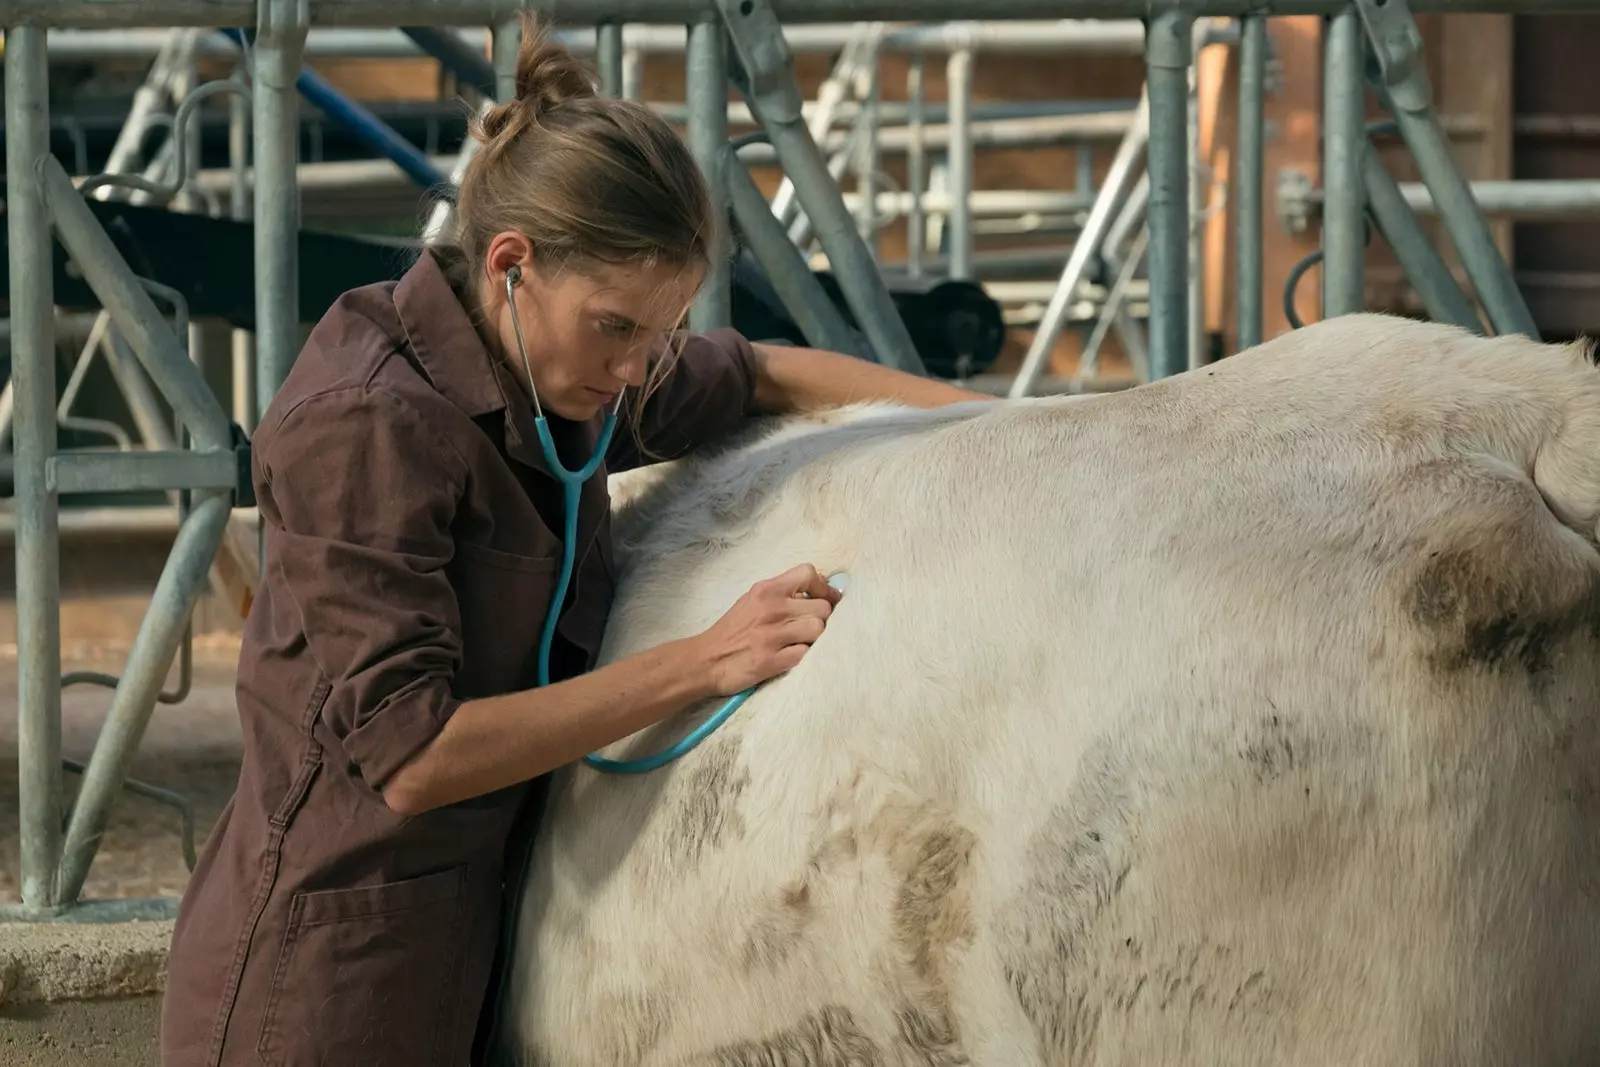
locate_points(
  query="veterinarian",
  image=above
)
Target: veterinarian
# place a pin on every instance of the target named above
(347, 906)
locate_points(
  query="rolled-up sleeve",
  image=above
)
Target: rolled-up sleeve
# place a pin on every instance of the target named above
(362, 494)
(709, 388)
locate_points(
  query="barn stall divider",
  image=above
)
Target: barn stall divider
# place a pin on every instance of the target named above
(1139, 213)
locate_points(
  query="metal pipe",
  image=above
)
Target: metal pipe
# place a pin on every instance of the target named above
(916, 166)
(632, 74)
(507, 39)
(766, 80)
(1194, 212)
(367, 128)
(791, 277)
(608, 58)
(91, 471)
(865, 151)
(958, 81)
(1344, 143)
(135, 385)
(706, 92)
(171, 605)
(1402, 78)
(177, 49)
(1131, 215)
(276, 128)
(133, 311)
(1088, 242)
(820, 117)
(1168, 55)
(1521, 199)
(33, 370)
(242, 341)
(455, 55)
(1426, 270)
(92, 14)
(1251, 153)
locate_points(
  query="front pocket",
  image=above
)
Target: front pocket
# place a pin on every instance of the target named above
(367, 975)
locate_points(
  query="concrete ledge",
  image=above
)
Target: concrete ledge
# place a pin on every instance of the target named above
(65, 961)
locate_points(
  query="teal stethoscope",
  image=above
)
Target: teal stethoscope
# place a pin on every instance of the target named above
(572, 487)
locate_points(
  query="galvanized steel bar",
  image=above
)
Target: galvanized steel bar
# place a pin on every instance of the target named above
(1194, 233)
(766, 78)
(786, 268)
(241, 207)
(33, 370)
(469, 65)
(507, 39)
(1519, 199)
(1168, 57)
(137, 472)
(135, 314)
(706, 92)
(958, 89)
(91, 14)
(1251, 153)
(280, 34)
(181, 580)
(608, 58)
(1089, 241)
(1402, 79)
(1344, 144)
(916, 165)
(1425, 268)
(865, 156)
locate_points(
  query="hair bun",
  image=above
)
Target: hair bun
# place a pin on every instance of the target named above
(548, 74)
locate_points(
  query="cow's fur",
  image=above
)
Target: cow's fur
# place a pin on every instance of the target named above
(1251, 717)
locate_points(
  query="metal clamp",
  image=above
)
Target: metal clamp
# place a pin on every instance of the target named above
(284, 22)
(1395, 60)
(244, 490)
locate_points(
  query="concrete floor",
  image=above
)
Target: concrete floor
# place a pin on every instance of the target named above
(192, 747)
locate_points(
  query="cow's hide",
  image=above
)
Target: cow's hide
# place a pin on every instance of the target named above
(1248, 717)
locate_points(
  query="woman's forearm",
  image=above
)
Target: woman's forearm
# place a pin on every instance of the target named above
(810, 379)
(495, 742)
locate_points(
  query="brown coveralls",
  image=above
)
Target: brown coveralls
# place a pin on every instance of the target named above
(412, 548)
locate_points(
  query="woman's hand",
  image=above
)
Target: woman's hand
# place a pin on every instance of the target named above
(767, 630)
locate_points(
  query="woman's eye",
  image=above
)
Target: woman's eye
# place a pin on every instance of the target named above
(616, 328)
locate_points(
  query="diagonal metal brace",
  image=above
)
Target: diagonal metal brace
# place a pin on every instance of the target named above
(762, 68)
(1399, 76)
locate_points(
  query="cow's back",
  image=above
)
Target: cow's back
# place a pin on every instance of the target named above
(1249, 717)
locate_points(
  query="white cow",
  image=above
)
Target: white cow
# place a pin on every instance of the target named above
(1247, 718)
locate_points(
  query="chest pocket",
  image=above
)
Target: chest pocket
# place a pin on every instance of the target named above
(503, 599)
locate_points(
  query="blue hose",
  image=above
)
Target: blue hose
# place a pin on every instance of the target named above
(369, 128)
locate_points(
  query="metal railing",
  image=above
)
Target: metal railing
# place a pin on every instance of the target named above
(1136, 215)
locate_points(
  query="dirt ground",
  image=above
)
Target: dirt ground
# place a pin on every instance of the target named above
(192, 748)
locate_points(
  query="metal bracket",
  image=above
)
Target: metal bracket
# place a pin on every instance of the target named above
(1298, 200)
(284, 22)
(1395, 60)
(244, 490)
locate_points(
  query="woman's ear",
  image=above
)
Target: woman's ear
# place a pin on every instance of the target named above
(508, 250)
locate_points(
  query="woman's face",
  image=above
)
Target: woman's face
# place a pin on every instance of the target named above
(587, 337)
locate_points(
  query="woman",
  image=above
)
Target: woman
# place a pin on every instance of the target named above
(347, 905)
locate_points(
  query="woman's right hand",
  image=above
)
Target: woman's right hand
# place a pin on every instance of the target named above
(767, 630)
